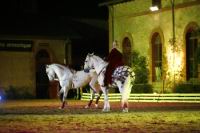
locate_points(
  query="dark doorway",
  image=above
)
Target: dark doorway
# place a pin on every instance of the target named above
(42, 81)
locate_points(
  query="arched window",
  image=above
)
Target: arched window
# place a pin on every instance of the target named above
(156, 57)
(127, 51)
(192, 54)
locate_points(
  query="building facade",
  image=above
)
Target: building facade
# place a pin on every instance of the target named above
(23, 59)
(168, 38)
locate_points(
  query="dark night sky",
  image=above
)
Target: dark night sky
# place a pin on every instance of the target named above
(73, 8)
(39, 17)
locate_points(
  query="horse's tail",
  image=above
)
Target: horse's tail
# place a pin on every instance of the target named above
(127, 88)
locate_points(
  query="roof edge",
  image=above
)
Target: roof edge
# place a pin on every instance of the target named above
(113, 2)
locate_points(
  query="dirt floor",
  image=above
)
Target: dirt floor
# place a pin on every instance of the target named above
(41, 116)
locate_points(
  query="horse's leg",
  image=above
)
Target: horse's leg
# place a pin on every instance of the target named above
(97, 100)
(106, 107)
(77, 93)
(63, 93)
(92, 85)
(59, 90)
(62, 100)
(63, 105)
(61, 97)
(91, 99)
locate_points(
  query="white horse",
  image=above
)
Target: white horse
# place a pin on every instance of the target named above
(69, 78)
(122, 77)
(81, 79)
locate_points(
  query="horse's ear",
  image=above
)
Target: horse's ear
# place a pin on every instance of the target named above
(90, 54)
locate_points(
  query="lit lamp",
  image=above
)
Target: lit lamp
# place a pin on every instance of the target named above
(154, 8)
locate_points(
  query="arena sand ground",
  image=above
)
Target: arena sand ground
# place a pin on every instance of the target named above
(41, 116)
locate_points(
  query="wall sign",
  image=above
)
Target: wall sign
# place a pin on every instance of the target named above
(16, 45)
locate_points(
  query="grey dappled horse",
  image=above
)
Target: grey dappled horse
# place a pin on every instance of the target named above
(122, 77)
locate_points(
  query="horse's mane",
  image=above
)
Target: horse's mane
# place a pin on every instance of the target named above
(97, 58)
(58, 65)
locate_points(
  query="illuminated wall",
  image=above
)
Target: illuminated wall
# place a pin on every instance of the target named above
(135, 18)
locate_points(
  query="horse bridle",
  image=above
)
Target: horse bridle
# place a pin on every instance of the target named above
(88, 68)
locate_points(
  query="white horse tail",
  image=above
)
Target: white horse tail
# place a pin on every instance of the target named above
(126, 93)
(127, 88)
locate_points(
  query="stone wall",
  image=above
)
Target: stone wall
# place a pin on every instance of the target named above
(135, 18)
(18, 68)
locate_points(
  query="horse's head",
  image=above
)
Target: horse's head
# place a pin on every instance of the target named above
(88, 63)
(50, 72)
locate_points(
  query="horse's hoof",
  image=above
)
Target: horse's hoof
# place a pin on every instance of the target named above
(86, 107)
(96, 105)
(60, 108)
(125, 110)
(105, 110)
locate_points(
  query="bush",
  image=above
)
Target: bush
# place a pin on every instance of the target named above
(187, 88)
(139, 65)
(142, 88)
(18, 93)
